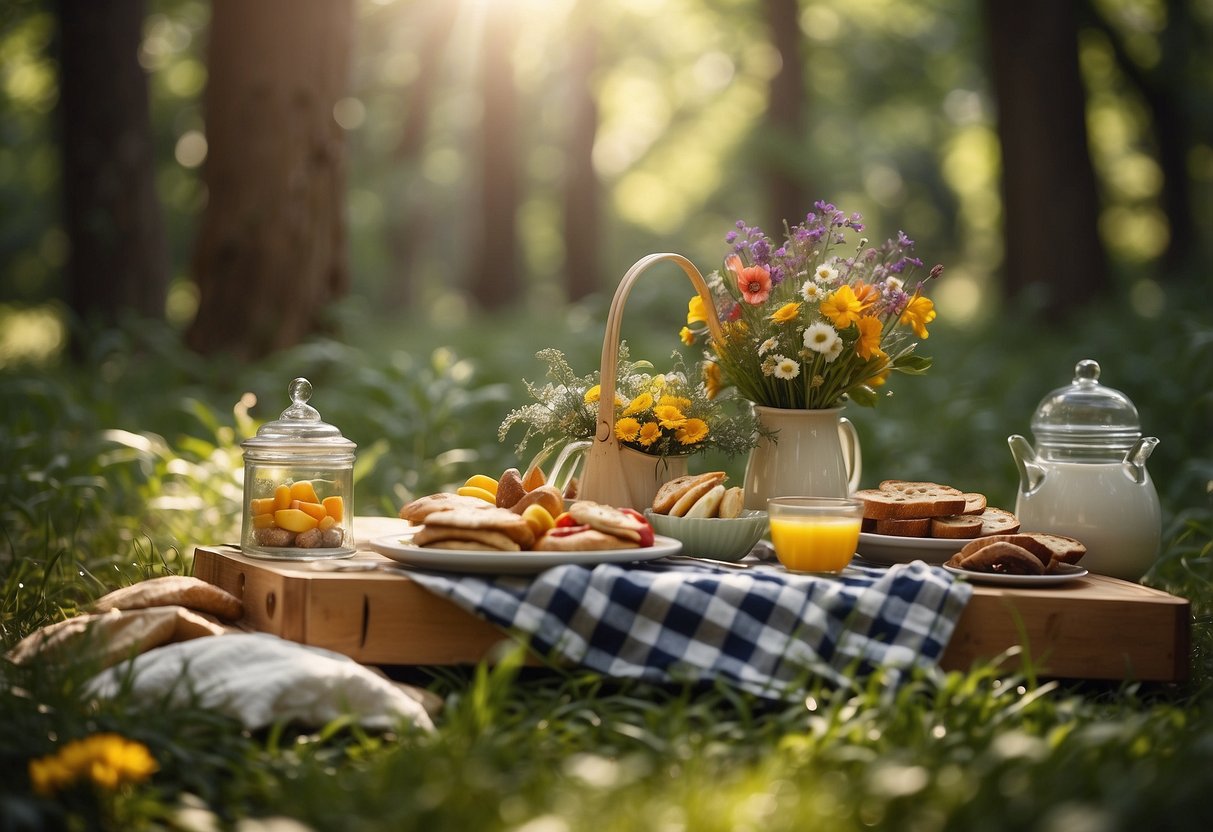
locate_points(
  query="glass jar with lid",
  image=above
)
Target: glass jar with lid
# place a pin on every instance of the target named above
(298, 486)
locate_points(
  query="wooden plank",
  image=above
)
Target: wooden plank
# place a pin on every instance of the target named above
(1092, 628)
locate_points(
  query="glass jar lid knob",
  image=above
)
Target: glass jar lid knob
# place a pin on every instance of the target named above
(300, 390)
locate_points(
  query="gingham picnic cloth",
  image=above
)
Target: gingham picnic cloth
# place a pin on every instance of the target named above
(763, 629)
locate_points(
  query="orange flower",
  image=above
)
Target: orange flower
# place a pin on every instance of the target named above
(842, 308)
(753, 281)
(712, 379)
(870, 329)
(919, 312)
(866, 293)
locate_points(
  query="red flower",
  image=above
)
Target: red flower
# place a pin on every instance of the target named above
(753, 281)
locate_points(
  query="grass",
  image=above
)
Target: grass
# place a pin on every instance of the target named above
(114, 468)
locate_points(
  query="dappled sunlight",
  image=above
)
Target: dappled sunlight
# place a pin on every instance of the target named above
(33, 335)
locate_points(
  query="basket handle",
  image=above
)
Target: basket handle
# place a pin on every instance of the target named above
(603, 480)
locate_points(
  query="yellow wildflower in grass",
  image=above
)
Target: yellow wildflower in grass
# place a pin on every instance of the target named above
(919, 312)
(650, 432)
(669, 417)
(639, 404)
(108, 760)
(842, 308)
(696, 311)
(627, 429)
(692, 431)
(870, 330)
(788, 312)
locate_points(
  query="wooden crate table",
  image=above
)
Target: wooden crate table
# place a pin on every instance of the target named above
(1095, 627)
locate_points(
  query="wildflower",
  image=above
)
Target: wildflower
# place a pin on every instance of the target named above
(826, 274)
(754, 282)
(650, 432)
(639, 404)
(812, 292)
(692, 431)
(669, 417)
(785, 313)
(696, 311)
(919, 312)
(686, 335)
(680, 402)
(785, 368)
(627, 429)
(712, 380)
(768, 345)
(820, 337)
(108, 760)
(870, 330)
(842, 308)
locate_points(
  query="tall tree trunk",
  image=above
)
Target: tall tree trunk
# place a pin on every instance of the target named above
(785, 117)
(581, 190)
(1054, 257)
(412, 221)
(495, 279)
(119, 253)
(270, 258)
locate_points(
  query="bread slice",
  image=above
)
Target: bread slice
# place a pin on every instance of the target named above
(709, 504)
(998, 521)
(999, 556)
(899, 500)
(731, 503)
(671, 492)
(956, 526)
(1049, 549)
(974, 503)
(903, 528)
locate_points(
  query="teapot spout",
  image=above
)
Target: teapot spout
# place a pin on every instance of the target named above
(1031, 473)
(1135, 458)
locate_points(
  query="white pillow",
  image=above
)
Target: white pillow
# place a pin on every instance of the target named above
(261, 679)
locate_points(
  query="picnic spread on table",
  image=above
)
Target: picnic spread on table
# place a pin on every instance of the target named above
(619, 559)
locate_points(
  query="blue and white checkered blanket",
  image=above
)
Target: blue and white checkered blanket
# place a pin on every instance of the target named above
(762, 629)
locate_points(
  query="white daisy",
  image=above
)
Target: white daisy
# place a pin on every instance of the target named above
(826, 273)
(766, 346)
(820, 337)
(812, 292)
(785, 367)
(834, 351)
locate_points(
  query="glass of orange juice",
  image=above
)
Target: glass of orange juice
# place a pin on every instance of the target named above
(815, 534)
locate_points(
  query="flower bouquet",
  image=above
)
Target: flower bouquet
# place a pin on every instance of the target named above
(807, 325)
(660, 414)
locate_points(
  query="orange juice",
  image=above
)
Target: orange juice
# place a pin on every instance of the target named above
(816, 544)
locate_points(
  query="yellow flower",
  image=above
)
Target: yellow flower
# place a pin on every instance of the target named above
(869, 336)
(696, 311)
(787, 312)
(680, 402)
(669, 417)
(919, 312)
(627, 429)
(883, 376)
(842, 308)
(108, 760)
(650, 432)
(692, 431)
(686, 336)
(712, 379)
(593, 394)
(639, 404)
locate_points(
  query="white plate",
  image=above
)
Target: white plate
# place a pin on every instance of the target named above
(1068, 572)
(513, 563)
(887, 550)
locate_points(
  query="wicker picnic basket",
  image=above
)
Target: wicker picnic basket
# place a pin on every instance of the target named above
(603, 479)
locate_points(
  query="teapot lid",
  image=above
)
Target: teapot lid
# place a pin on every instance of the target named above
(1086, 419)
(299, 426)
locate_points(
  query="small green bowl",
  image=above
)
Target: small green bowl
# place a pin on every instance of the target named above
(716, 538)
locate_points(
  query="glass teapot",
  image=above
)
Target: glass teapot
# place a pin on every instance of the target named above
(1086, 478)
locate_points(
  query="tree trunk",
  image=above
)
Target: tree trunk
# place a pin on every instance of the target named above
(785, 117)
(1054, 258)
(119, 253)
(270, 258)
(495, 280)
(581, 191)
(412, 222)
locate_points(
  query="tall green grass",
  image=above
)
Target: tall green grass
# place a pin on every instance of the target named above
(113, 470)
